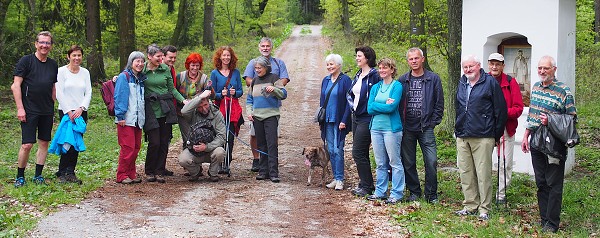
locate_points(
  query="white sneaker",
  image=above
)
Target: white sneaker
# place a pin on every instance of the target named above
(333, 184)
(339, 185)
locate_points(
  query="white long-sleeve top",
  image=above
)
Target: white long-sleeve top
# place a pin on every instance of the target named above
(73, 90)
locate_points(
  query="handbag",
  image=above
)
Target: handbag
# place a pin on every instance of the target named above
(320, 114)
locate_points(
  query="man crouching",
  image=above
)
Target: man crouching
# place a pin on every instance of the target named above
(206, 138)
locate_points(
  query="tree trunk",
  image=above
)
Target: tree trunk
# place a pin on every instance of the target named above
(3, 9)
(209, 26)
(597, 21)
(126, 30)
(94, 38)
(346, 18)
(261, 6)
(180, 36)
(417, 26)
(232, 17)
(454, 68)
(31, 18)
(170, 5)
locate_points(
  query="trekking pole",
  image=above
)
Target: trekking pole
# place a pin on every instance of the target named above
(498, 171)
(227, 147)
(504, 162)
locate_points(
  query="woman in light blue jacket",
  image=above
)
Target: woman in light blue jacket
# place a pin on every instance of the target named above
(386, 132)
(130, 116)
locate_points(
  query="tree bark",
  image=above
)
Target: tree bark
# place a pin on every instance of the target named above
(597, 21)
(346, 18)
(417, 26)
(94, 38)
(126, 30)
(185, 14)
(454, 68)
(209, 26)
(31, 18)
(170, 5)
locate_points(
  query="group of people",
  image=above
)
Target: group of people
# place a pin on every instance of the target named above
(390, 114)
(393, 115)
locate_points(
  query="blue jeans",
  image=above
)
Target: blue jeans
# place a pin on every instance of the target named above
(386, 146)
(335, 146)
(426, 141)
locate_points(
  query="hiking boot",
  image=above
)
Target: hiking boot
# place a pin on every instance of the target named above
(255, 167)
(361, 192)
(39, 180)
(262, 177)
(339, 185)
(62, 179)
(332, 184)
(275, 179)
(374, 197)
(160, 179)
(72, 178)
(151, 178)
(137, 180)
(549, 229)
(392, 200)
(19, 182)
(412, 198)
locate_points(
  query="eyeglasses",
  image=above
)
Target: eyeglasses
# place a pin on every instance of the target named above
(44, 42)
(544, 68)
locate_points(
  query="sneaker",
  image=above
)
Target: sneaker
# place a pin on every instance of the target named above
(332, 184)
(160, 179)
(374, 197)
(433, 201)
(464, 212)
(19, 182)
(137, 180)
(126, 181)
(361, 192)
(262, 177)
(339, 185)
(275, 179)
(39, 180)
(151, 178)
(392, 200)
(483, 217)
(412, 198)
(549, 229)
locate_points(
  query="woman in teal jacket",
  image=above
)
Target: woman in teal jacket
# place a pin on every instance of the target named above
(386, 132)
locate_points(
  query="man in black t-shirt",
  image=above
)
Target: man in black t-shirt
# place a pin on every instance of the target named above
(34, 92)
(421, 109)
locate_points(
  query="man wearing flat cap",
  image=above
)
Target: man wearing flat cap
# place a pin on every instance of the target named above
(514, 104)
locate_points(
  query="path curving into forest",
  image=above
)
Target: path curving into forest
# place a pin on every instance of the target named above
(238, 206)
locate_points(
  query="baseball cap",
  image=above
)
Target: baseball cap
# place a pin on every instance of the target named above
(496, 56)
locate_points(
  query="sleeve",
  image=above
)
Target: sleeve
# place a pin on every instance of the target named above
(250, 100)
(375, 108)
(249, 72)
(516, 108)
(121, 97)
(438, 110)
(171, 88)
(87, 97)
(347, 109)
(283, 72)
(22, 66)
(215, 81)
(219, 140)
(569, 102)
(500, 112)
(60, 91)
(239, 91)
(280, 92)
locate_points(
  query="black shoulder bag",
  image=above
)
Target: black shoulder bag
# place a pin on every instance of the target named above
(320, 115)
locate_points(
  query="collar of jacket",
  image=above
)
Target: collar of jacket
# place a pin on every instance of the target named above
(161, 68)
(406, 77)
(482, 75)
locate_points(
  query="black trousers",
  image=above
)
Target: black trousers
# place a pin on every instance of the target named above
(361, 141)
(158, 147)
(68, 161)
(266, 138)
(549, 179)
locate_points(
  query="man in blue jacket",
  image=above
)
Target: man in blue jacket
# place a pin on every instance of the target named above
(480, 118)
(421, 109)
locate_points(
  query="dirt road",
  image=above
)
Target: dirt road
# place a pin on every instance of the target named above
(238, 206)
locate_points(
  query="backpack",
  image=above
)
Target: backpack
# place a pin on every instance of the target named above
(201, 132)
(108, 94)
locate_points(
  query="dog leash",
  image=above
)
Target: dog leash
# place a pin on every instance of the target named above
(248, 144)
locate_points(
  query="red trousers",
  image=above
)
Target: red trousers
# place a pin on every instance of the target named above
(130, 140)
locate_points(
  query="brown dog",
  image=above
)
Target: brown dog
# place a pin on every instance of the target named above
(316, 157)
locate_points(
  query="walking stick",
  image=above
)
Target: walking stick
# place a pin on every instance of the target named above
(227, 161)
(498, 171)
(504, 165)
